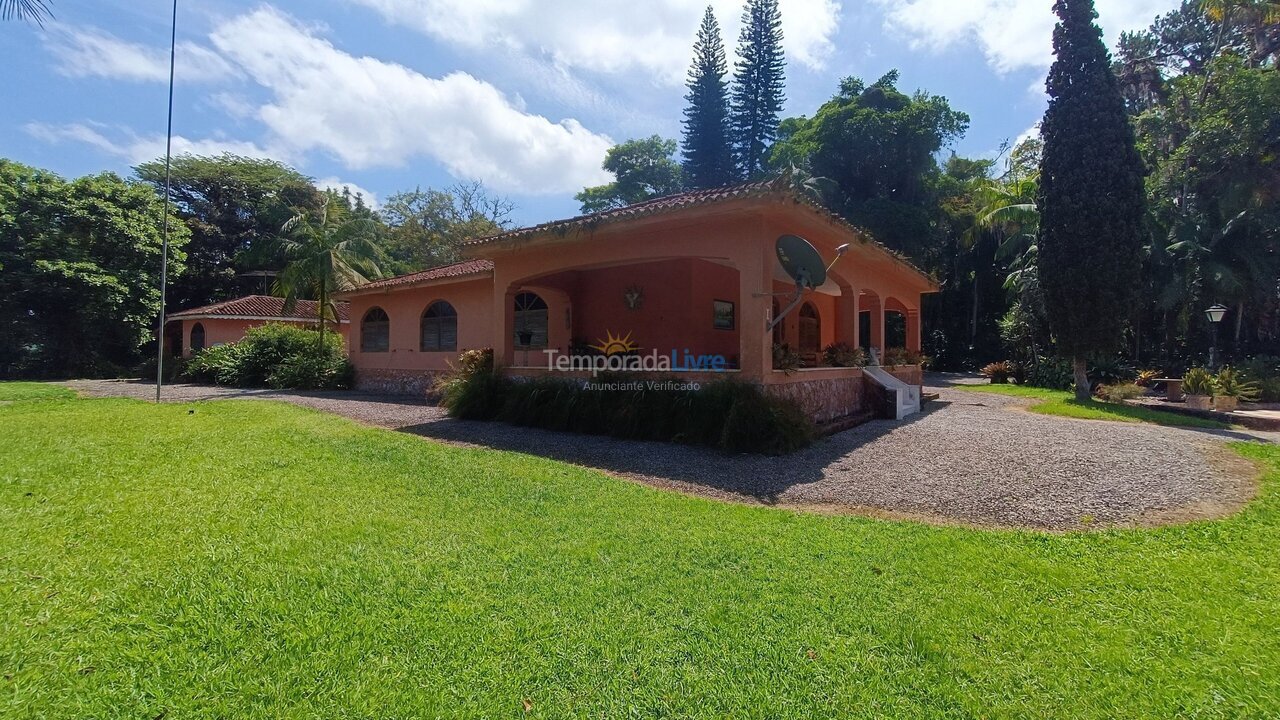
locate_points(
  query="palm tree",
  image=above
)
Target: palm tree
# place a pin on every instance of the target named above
(327, 252)
(37, 10)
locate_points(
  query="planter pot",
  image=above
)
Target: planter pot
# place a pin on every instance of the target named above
(1200, 402)
(1222, 403)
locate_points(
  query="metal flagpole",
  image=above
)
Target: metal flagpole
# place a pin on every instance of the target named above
(164, 243)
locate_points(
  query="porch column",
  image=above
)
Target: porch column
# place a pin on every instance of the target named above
(876, 306)
(755, 342)
(504, 319)
(913, 330)
(847, 316)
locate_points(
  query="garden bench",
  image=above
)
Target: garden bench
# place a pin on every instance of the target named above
(1172, 388)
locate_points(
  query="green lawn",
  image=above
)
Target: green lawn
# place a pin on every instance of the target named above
(1064, 403)
(247, 559)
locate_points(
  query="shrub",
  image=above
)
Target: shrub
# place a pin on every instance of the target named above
(275, 355)
(731, 416)
(1120, 392)
(219, 365)
(843, 354)
(1230, 384)
(1146, 378)
(1017, 372)
(1111, 371)
(1199, 381)
(903, 356)
(785, 358)
(474, 389)
(1264, 370)
(1051, 372)
(997, 372)
(310, 371)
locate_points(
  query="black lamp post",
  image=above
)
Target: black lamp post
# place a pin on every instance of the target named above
(1215, 315)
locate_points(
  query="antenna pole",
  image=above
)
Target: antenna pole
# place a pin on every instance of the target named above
(799, 296)
(164, 242)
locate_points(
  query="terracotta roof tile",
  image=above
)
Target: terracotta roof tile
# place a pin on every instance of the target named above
(444, 272)
(263, 307)
(779, 187)
(666, 203)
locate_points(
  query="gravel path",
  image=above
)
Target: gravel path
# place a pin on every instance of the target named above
(974, 459)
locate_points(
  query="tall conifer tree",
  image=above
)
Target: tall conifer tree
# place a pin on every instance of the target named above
(708, 148)
(1091, 197)
(759, 76)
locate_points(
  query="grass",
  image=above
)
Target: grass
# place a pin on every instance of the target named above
(15, 391)
(1064, 403)
(251, 559)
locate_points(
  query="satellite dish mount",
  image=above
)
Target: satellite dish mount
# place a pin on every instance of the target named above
(801, 261)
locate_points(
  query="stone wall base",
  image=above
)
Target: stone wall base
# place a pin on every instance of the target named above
(823, 400)
(415, 383)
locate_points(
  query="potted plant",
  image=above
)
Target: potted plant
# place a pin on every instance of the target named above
(1231, 390)
(1199, 385)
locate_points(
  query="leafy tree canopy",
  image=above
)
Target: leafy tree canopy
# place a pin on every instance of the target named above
(234, 207)
(876, 148)
(643, 169)
(79, 271)
(426, 228)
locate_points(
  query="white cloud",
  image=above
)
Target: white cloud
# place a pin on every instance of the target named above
(137, 148)
(90, 52)
(333, 183)
(609, 36)
(1013, 34)
(368, 113)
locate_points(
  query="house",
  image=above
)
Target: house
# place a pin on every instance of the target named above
(691, 281)
(191, 331)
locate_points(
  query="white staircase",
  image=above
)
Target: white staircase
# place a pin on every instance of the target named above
(906, 397)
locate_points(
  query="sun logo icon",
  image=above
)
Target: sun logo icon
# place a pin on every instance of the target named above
(615, 345)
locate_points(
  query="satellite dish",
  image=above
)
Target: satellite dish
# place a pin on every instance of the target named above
(801, 261)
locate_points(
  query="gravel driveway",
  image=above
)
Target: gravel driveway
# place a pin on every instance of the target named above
(974, 459)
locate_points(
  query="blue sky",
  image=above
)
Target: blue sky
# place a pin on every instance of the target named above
(523, 95)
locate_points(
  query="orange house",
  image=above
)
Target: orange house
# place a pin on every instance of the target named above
(191, 331)
(689, 277)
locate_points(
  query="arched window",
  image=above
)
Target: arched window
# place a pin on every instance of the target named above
(810, 331)
(439, 327)
(530, 321)
(375, 331)
(197, 337)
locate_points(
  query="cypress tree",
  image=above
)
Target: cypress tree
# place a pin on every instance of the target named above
(708, 151)
(759, 75)
(1091, 197)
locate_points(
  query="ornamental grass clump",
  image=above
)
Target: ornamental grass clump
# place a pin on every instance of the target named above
(1120, 392)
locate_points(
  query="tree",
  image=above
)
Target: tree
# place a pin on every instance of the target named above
(327, 252)
(1214, 194)
(79, 272)
(758, 91)
(234, 207)
(643, 169)
(877, 146)
(426, 228)
(37, 10)
(1091, 197)
(708, 146)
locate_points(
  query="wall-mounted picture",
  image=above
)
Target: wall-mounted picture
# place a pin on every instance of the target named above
(723, 315)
